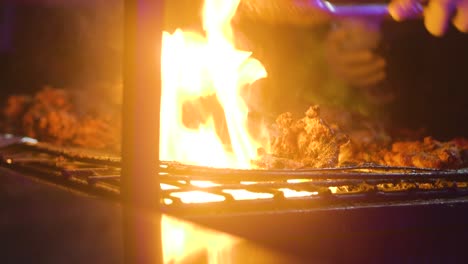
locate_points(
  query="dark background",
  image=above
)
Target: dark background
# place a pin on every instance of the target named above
(65, 45)
(74, 46)
(431, 76)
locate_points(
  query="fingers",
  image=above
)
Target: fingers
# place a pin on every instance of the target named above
(353, 33)
(461, 18)
(362, 69)
(371, 79)
(358, 68)
(437, 14)
(355, 58)
(350, 57)
(404, 9)
(366, 70)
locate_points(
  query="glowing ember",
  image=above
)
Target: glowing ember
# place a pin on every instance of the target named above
(167, 201)
(298, 180)
(289, 193)
(246, 195)
(248, 182)
(168, 187)
(333, 189)
(198, 197)
(203, 184)
(197, 69)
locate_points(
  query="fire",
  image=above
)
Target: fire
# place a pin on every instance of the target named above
(183, 239)
(202, 79)
(198, 70)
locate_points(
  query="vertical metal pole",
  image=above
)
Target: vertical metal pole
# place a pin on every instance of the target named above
(140, 141)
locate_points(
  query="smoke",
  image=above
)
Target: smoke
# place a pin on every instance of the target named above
(99, 27)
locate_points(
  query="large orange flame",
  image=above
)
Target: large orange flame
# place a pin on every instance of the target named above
(197, 68)
(194, 67)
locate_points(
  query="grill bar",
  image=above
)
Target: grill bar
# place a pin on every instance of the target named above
(315, 188)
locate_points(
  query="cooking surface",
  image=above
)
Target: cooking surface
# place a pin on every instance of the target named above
(48, 223)
(79, 228)
(345, 214)
(200, 190)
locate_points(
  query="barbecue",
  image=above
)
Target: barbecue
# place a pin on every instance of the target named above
(102, 174)
(206, 194)
(305, 187)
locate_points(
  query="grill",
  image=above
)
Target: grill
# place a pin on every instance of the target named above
(385, 214)
(241, 191)
(318, 210)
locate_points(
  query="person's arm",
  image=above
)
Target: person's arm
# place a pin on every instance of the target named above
(437, 14)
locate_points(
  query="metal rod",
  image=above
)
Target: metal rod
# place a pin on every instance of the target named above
(140, 142)
(212, 174)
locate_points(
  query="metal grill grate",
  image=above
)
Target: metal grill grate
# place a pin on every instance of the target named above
(201, 190)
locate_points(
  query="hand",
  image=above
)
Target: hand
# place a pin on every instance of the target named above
(437, 14)
(349, 53)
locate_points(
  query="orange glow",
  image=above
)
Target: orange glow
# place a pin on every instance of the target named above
(183, 239)
(289, 193)
(196, 67)
(198, 197)
(197, 70)
(168, 187)
(246, 195)
(298, 180)
(248, 182)
(167, 201)
(333, 189)
(203, 184)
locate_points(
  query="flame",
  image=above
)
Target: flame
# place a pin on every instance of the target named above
(186, 242)
(199, 73)
(181, 239)
(197, 69)
(289, 193)
(198, 197)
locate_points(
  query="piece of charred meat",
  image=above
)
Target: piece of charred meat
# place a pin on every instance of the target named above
(350, 139)
(51, 116)
(13, 112)
(367, 136)
(307, 142)
(428, 153)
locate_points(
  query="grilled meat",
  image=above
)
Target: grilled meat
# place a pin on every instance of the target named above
(343, 139)
(428, 153)
(309, 141)
(351, 139)
(52, 116)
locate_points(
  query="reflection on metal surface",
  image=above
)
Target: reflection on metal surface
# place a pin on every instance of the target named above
(246, 195)
(183, 240)
(186, 242)
(289, 193)
(197, 197)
